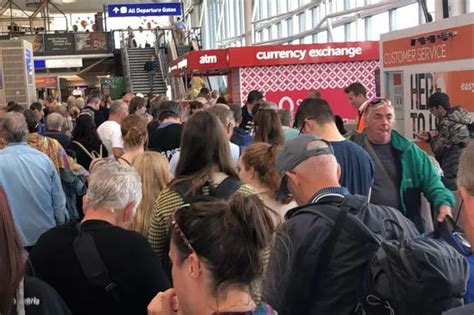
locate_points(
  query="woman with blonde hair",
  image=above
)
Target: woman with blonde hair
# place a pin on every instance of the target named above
(135, 137)
(153, 169)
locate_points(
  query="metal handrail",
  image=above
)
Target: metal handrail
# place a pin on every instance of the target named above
(126, 64)
(159, 53)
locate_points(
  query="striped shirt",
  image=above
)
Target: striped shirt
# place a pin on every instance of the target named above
(167, 201)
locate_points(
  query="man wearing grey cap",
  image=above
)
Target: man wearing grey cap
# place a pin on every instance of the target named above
(321, 253)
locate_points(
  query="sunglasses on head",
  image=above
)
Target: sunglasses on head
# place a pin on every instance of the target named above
(379, 100)
(178, 230)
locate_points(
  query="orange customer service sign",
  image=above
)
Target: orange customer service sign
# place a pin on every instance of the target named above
(400, 52)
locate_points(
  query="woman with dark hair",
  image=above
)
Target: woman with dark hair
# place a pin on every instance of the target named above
(221, 100)
(216, 252)
(137, 105)
(257, 168)
(15, 286)
(85, 141)
(205, 163)
(267, 127)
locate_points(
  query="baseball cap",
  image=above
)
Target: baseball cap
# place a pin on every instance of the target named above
(295, 152)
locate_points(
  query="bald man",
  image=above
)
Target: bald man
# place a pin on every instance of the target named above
(301, 279)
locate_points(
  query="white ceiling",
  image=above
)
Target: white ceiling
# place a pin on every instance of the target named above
(85, 6)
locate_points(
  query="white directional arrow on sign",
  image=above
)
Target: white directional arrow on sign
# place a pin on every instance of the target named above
(116, 10)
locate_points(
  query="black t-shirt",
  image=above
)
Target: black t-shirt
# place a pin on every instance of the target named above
(247, 120)
(383, 192)
(131, 263)
(62, 138)
(166, 139)
(101, 116)
(152, 125)
(40, 299)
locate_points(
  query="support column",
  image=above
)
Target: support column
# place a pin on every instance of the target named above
(248, 30)
(456, 7)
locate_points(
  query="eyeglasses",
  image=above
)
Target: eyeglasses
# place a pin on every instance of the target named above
(176, 227)
(303, 125)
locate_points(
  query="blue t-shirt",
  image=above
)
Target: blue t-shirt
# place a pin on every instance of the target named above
(357, 167)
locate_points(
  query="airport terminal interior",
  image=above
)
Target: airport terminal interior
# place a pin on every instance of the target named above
(253, 157)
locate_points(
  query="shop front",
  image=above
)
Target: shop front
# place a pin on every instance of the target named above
(286, 74)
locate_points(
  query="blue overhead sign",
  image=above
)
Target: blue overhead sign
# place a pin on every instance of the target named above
(144, 9)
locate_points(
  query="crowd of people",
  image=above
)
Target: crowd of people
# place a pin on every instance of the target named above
(142, 205)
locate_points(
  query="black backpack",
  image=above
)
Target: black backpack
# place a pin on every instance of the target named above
(224, 190)
(403, 276)
(412, 276)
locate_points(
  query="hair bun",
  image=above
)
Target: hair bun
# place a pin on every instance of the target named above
(255, 221)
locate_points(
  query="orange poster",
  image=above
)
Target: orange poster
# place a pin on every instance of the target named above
(459, 45)
(459, 85)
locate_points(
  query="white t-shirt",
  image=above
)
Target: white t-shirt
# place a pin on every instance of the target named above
(111, 135)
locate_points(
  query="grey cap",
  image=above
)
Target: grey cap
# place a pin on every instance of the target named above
(295, 152)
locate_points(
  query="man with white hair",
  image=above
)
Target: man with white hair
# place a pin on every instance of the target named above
(30, 181)
(54, 127)
(402, 170)
(97, 266)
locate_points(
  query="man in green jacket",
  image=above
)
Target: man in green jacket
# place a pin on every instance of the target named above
(402, 170)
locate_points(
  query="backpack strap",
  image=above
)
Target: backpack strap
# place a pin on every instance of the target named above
(338, 216)
(92, 264)
(182, 189)
(85, 150)
(226, 188)
(333, 237)
(223, 191)
(336, 210)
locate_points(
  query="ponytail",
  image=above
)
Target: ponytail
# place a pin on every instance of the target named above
(262, 158)
(134, 130)
(134, 137)
(256, 223)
